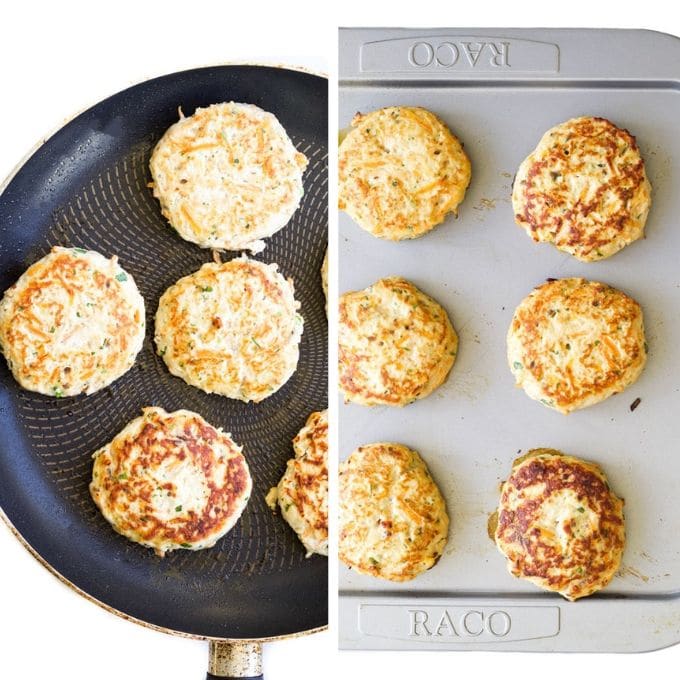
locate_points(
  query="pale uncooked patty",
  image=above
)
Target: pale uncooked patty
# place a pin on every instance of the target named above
(72, 324)
(401, 172)
(393, 522)
(396, 344)
(231, 328)
(227, 176)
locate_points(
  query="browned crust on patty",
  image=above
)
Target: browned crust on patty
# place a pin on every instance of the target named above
(302, 493)
(73, 323)
(396, 344)
(124, 482)
(574, 342)
(588, 561)
(311, 471)
(584, 189)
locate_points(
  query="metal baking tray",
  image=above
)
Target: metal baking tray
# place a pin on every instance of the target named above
(499, 90)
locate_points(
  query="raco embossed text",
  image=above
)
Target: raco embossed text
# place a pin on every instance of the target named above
(448, 53)
(466, 55)
(471, 623)
(458, 624)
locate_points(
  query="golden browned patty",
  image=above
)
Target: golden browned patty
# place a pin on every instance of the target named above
(171, 480)
(573, 343)
(583, 189)
(396, 344)
(231, 328)
(227, 176)
(401, 171)
(559, 524)
(302, 493)
(393, 522)
(72, 324)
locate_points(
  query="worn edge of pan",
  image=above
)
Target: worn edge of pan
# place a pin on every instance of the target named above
(43, 139)
(127, 617)
(34, 553)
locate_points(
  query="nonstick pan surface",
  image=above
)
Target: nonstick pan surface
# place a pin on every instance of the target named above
(87, 187)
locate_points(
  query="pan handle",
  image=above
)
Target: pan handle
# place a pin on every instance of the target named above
(235, 661)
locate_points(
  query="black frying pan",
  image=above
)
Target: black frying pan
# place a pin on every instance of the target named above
(87, 187)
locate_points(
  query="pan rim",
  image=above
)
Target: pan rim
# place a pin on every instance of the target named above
(133, 619)
(42, 140)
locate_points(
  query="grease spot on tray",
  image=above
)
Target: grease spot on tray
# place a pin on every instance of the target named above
(486, 204)
(647, 557)
(626, 570)
(466, 384)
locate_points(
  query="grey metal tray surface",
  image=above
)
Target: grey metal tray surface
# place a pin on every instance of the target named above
(499, 90)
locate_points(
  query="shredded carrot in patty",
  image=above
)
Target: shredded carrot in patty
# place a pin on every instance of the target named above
(199, 147)
(190, 219)
(611, 345)
(269, 167)
(416, 119)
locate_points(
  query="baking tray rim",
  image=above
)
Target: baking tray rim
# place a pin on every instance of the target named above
(355, 597)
